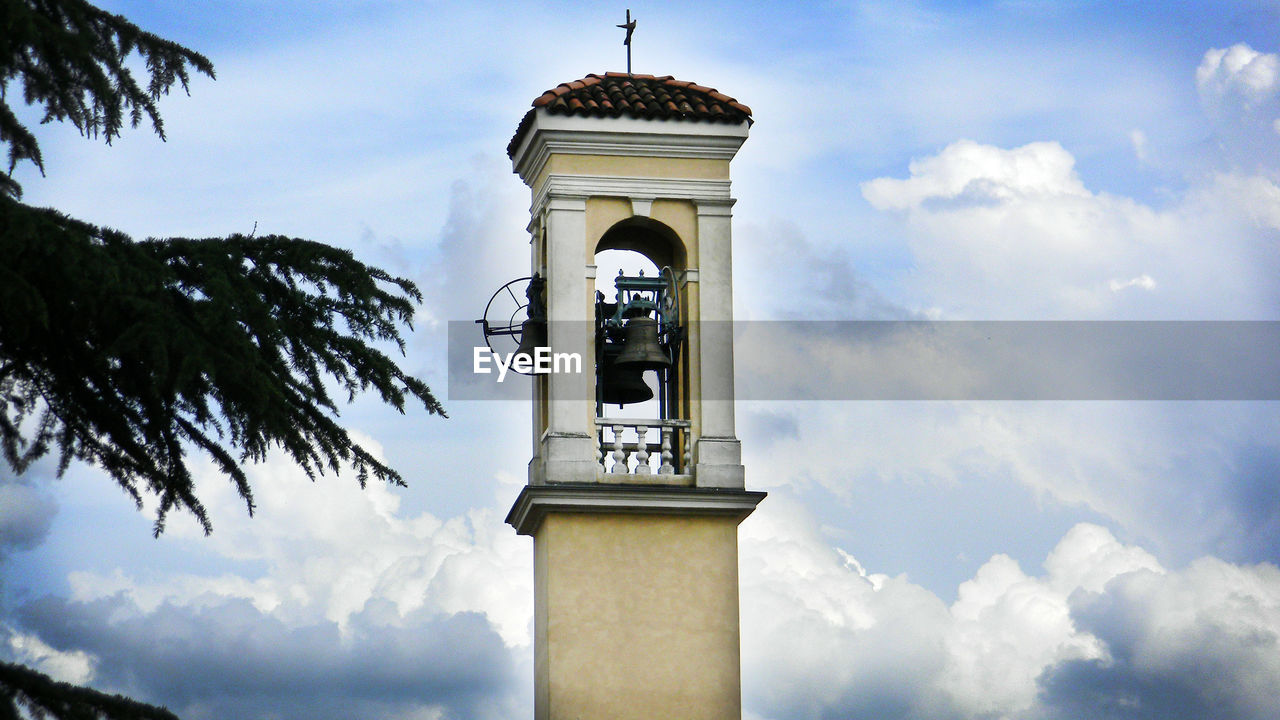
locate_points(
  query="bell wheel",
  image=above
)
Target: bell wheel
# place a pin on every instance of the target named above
(504, 316)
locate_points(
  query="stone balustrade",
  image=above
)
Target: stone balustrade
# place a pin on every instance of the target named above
(629, 449)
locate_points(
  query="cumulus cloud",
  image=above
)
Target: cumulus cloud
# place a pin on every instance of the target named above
(969, 172)
(1187, 478)
(338, 601)
(1238, 70)
(1202, 642)
(1008, 626)
(225, 658)
(823, 638)
(998, 232)
(73, 666)
(1239, 89)
(1104, 625)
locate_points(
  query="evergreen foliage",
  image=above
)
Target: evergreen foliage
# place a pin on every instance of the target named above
(126, 354)
(122, 352)
(71, 59)
(26, 693)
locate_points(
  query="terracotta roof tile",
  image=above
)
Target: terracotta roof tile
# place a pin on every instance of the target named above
(616, 94)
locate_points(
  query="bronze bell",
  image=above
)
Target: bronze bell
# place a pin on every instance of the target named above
(533, 335)
(624, 385)
(640, 346)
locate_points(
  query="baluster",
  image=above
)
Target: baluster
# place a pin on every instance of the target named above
(642, 450)
(666, 468)
(619, 457)
(600, 454)
(688, 453)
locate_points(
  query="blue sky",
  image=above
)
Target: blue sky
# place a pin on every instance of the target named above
(956, 161)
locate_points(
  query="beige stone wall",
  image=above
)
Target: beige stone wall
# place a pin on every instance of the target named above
(632, 166)
(636, 616)
(602, 214)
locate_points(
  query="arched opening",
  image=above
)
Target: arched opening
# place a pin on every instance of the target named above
(650, 238)
(610, 265)
(640, 346)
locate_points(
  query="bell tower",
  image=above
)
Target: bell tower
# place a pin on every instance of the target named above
(633, 515)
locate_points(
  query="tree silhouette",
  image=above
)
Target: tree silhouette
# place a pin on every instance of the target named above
(43, 697)
(127, 354)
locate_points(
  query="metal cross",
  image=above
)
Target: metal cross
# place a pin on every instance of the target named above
(630, 27)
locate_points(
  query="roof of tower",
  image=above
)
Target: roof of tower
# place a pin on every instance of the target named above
(617, 94)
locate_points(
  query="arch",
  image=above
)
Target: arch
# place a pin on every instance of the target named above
(649, 237)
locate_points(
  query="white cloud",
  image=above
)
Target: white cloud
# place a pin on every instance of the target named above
(1015, 234)
(330, 551)
(73, 666)
(822, 636)
(330, 585)
(1240, 70)
(820, 639)
(1008, 627)
(1140, 146)
(224, 659)
(991, 232)
(976, 173)
(1205, 636)
(818, 634)
(1186, 478)
(1143, 281)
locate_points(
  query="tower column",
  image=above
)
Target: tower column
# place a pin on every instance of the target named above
(719, 453)
(567, 447)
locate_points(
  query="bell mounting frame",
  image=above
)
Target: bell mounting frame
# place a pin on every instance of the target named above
(505, 315)
(637, 297)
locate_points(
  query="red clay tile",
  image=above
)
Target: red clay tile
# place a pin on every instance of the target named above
(617, 94)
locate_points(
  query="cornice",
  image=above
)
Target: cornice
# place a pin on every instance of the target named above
(704, 192)
(536, 501)
(624, 136)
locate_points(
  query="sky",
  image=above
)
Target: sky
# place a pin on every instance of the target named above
(977, 161)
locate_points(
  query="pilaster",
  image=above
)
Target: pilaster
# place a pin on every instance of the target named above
(719, 453)
(567, 447)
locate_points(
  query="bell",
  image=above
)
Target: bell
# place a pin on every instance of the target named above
(634, 310)
(624, 385)
(640, 347)
(533, 335)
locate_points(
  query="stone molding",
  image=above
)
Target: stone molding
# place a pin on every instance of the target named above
(624, 136)
(535, 501)
(711, 195)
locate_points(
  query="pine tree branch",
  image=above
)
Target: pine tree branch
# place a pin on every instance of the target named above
(72, 60)
(125, 354)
